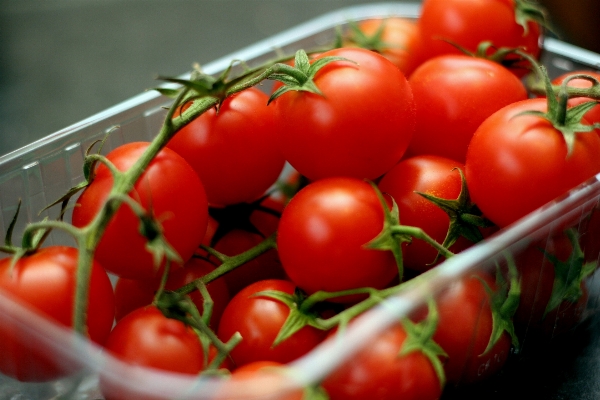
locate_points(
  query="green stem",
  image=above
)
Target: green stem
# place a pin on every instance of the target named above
(230, 264)
(91, 234)
(420, 234)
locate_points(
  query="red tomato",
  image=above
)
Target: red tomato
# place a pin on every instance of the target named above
(259, 319)
(234, 151)
(380, 372)
(437, 176)
(45, 281)
(467, 23)
(146, 338)
(359, 127)
(169, 187)
(131, 294)
(464, 331)
(593, 115)
(537, 275)
(323, 234)
(454, 94)
(260, 380)
(399, 41)
(517, 163)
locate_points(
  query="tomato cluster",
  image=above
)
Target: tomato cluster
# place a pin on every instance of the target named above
(259, 225)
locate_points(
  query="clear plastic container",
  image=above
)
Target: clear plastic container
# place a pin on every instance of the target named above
(44, 170)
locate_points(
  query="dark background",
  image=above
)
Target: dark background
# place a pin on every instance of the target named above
(64, 60)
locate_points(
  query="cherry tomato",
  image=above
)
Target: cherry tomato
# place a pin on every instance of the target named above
(464, 331)
(323, 235)
(446, 23)
(399, 40)
(361, 124)
(146, 338)
(260, 379)
(169, 188)
(379, 371)
(454, 94)
(45, 281)
(234, 151)
(437, 176)
(259, 319)
(517, 163)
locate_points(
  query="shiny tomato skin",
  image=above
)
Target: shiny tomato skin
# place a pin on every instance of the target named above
(45, 281)
(517, 163)
(323, 233)
(259, 319)
(361, 124)
(434, 175)
(464, 331)
(234, 151)
(467, 23)
(454, 94)
(379, 372)
(401, 40)
(169, 187)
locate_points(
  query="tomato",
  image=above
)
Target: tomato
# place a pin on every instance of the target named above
(537, 270)
(379, 371)
(434, 175)
(464, 330)
(169, 187)
(131, 294)
(234, 151)
(466, 23)
(45, 281)
(454, 94)
(260, 379)
(259, 319)
(593, 115)
(361, 124)
(323, 235)
(397, 39)
(146, 338)
(517, 163)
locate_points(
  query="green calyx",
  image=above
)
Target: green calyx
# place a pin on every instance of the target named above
(504, 302)
(568, 274)
(419, 337)
(393, 234)
(300, 76)
(526, 11)
(373, 42)
(563, 118)
(465, 217)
